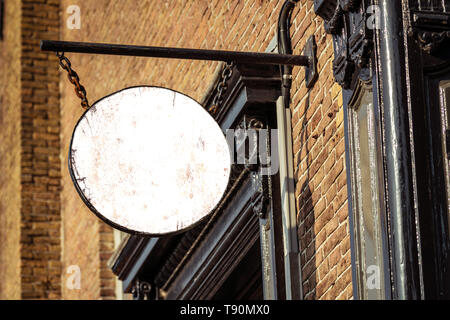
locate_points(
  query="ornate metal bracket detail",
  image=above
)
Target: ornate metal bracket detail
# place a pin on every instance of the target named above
(141, 290)
(430, 26)
(247, 142)
(348, 22)
(261, 197)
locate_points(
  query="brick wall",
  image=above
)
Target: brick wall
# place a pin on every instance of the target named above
(107, 279)
(319, 162)
(233, 25)
(39, 202)
(33, 225)
(40, 162)
(10, 153)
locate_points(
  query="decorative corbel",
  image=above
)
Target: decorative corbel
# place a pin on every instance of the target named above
(346, 21)
(430, 27)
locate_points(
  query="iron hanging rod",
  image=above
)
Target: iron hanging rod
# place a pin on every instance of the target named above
(177, 53)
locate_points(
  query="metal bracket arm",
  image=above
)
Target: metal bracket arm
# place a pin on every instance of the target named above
(177, 53)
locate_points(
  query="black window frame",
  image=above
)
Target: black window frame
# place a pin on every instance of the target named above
(366, 81)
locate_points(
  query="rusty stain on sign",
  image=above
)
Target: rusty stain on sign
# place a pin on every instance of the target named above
(149, 160)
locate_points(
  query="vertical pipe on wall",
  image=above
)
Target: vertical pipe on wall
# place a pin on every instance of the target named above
(285, 47)
(292, 264)
(403, 242)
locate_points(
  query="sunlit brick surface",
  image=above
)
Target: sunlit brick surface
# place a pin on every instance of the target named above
(45, 113)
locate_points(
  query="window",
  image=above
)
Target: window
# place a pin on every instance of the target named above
(367, 192)
(432, 150)
(445, 125)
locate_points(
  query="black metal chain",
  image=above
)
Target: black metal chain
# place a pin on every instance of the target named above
(74, 79)
(221, 87)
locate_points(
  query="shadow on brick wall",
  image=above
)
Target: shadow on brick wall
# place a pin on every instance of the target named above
(305, 214)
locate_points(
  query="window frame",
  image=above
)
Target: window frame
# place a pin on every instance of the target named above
(352, 106)
(434, 218)
(444, 94)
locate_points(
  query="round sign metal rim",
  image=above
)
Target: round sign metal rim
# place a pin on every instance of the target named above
(108, 221)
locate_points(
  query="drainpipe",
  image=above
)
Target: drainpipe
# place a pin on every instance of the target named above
(285, 47)
(292, 262)
(400, 189)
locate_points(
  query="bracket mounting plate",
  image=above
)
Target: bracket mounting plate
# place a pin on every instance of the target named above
(311, 74)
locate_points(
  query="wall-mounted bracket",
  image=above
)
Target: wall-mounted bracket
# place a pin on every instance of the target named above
(311, 74)
(308, 60)
(175, 53)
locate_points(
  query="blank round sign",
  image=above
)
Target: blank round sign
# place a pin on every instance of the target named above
(149, 160)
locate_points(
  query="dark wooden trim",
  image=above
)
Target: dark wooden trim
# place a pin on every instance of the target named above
(233, 234)
(429, 67)
(131, 260)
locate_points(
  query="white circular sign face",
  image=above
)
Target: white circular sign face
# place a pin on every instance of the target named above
(149, 160)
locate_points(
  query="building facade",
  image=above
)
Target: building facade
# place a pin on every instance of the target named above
(353, 203)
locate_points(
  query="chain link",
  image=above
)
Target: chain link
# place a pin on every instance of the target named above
(221, 87)
(64, 62)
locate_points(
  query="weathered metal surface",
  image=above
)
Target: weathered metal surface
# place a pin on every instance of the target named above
(149, 160)
(175, 53)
